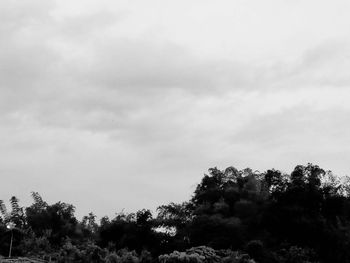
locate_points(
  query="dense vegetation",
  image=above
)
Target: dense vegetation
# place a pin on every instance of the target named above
(233, 216)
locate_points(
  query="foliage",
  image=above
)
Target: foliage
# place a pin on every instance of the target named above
(205, 254)
(180, 257)
(233, 216)
(133, 231)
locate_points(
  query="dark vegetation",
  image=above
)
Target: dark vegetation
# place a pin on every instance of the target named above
(233, 216)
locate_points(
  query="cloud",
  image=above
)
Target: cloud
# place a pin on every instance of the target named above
(117, 97)
(296, 126)
(139, 64)
(73, 71)
(79, 71)
(323, 65)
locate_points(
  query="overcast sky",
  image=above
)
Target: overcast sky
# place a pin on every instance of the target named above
(126, 104)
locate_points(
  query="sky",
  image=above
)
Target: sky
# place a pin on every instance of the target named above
(113, 105)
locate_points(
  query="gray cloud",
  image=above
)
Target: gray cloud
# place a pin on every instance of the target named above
(324, 65)
(126, 63)
(299, 125)
(101, 100)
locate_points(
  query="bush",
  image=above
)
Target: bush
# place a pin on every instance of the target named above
(205, 254)
(255, 249)
(112, 258)
(208, 253)
(296, 254)
(179, 257)
(237, 257)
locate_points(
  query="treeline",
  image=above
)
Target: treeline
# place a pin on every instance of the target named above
(233, 216)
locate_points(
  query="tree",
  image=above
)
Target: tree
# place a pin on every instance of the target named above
(15, 216)
(56, 221)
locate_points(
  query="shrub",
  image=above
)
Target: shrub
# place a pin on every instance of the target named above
(205, 254)
(255, 249)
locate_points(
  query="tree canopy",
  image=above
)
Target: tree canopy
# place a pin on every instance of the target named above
(269, 216)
